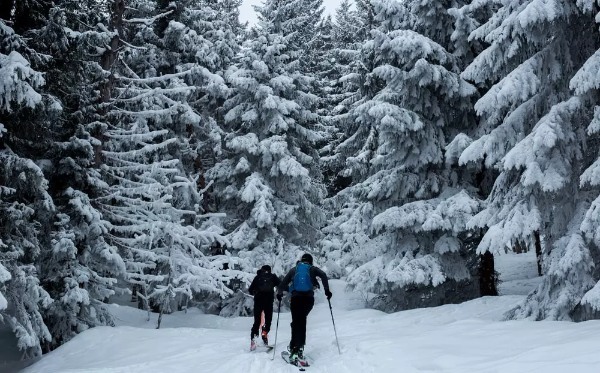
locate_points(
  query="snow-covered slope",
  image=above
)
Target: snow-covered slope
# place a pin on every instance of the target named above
(454, 338)
(518, 273)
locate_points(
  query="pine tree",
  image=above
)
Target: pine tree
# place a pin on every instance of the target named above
(349, 154)
(325, 68)
(77, 268)
(337, 56)
(358, 85)
(203, 35)
(345, 54)
(471, 176)
(533, 131)
(300, 18)
(396, 160)
(25, 206)
(153, 205)
(268, 179)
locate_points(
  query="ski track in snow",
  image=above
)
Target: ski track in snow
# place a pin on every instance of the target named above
(464, 338)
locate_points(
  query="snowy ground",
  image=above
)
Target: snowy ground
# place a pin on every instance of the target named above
(454, 338)
(518, 273)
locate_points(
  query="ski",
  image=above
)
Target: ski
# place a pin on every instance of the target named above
(255, 346)
(265, 348)
(300, 364)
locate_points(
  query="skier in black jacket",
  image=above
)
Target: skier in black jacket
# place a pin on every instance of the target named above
(262, 288)
(302, 300)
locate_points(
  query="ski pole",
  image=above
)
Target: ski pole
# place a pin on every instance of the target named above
(334, 329)
(276, 330)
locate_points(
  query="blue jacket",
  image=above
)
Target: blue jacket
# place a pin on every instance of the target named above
(314, 273)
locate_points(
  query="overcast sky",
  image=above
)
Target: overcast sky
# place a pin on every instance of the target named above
(247, 12)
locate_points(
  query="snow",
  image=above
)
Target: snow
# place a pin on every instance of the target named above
(518, 273)
(18, 82)
(467, 337)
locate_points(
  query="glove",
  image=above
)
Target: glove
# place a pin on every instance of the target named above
(279, 296)
(328, 294)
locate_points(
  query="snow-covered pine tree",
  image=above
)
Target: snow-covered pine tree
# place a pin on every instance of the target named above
(586, 83)
(337, 64)
(77, 268)
(346, 26)
(153, 206)
(299, 17)
(472, 176)
(211, 40)
(268, 180)
(468, 16)
(534, 118)
(344, 53)
(25, 206)
(349, 153)
(201, 34)
(356, 84)
(325, 69)
(414, 241)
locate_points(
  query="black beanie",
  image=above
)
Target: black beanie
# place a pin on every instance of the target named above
(266, 268)
(307, 258)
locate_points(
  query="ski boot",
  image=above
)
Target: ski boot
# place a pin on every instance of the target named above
(301, 362)
(297, 356)
(264, 336)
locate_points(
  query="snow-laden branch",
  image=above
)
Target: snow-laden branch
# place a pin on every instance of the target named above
(155, 79)
(148, 21)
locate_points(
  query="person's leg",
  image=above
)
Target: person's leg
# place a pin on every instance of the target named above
(257, 312)
(296, 309)
(268, 309)
(307, 305)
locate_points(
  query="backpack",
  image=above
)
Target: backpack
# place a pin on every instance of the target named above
(264, 283)
(302, 280)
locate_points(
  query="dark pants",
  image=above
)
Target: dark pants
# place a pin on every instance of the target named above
(262, 304)
(300, 306)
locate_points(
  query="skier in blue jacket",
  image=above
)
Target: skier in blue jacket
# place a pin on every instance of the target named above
(302, 279)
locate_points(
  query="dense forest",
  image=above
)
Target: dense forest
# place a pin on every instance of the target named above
(162, 149)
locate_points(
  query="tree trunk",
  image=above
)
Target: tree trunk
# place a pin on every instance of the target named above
(538, 251)
(107, 61)
(134, 295)
(159, 319)
(487, 275)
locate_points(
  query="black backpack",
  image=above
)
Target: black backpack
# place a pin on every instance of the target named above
(264, 283)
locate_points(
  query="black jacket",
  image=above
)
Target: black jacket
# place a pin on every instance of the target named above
(253, 289)
(314, 273)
